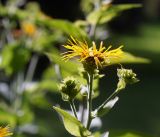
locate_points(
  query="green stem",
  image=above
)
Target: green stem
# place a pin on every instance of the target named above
(73, 108)
(92, 31)
(32, 67)
(89, 100)
(83, 109)
(114, 94)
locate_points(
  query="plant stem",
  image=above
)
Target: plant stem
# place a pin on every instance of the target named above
(31, 68)
(114, 94)
(92, 31)
(73, 108)
(83, 109)
(89, 99)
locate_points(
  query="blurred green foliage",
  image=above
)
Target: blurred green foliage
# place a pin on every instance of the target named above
(26, 102)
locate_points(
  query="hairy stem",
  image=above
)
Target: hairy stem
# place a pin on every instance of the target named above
(89, 100)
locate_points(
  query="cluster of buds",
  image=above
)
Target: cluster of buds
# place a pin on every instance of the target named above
(69, 88)
(126, 76)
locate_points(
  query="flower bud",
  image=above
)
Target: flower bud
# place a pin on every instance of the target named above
(121, 84)
(69, 88)
(126, 76)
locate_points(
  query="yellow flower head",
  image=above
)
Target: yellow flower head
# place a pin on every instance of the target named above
(92, 56)
(4, 131)
(28, 28)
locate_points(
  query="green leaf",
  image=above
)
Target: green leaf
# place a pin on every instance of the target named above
(66, 27)
(69, 67)
(72, 125)
(129, 58)
(97, 134)
(14, 58)
(105, 14)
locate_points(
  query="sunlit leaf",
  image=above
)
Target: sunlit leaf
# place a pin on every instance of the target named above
(105, 14)
(97, 134)
(72, 125)
(129, 58)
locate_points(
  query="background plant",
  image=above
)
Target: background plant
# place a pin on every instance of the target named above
(30, 93)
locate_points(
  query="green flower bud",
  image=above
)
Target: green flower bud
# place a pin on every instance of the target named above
(69, 88)
(126, 76)
(121, 84)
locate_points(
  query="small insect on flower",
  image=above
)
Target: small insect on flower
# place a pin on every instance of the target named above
(91, 56)
(4, 131)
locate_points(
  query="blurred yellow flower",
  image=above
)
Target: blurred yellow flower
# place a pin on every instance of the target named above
(28, 28)
(4, 131)
(91, 56)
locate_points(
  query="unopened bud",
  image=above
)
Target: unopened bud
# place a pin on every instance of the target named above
(69, 88)
(126, 76)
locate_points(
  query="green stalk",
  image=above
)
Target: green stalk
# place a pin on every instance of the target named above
(89, 99)
(114, 94)
(31, 68)
(73, 108)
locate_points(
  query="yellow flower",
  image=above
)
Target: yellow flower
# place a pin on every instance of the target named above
(91, 56)
(4, 131)
(28, 28)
